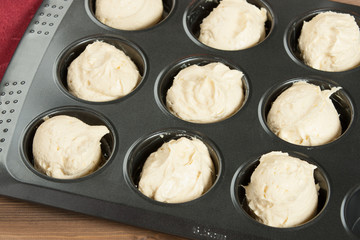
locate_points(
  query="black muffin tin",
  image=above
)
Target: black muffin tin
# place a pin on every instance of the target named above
(34, 86)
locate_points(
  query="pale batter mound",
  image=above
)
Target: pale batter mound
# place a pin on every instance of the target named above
(102, 73)
(305, 115)
(282, 191)
(67, 148)
(205, 94)
(129, 14)
(233, 25)
(331, 42)
(179, 171)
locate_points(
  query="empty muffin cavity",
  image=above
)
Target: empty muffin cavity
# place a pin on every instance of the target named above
(350, 212)
(168, 6)
(339, 99)
(198, 10)
(145, 146)
(293, 33)
(243, 175)
(107, 142)
(69, 54)
(165, 81)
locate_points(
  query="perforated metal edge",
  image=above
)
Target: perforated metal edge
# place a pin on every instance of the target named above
(15, 85)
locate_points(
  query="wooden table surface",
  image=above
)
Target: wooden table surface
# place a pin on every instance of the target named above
(354, 2)
(24, 220)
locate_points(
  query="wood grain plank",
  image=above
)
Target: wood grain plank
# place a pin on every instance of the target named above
(353, 2)
(25, 220)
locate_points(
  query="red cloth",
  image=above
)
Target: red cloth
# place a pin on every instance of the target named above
(15, 16)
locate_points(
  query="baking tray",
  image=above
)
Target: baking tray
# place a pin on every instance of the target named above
(34, 86)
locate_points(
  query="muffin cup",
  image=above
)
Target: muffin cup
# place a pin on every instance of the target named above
(70, 53)
(350, 212)
(293, 31)
(89, 117)
(166, 78)
(143, 147)
(198, 10)
(91, 8)
(243, 175)
(340, 99)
